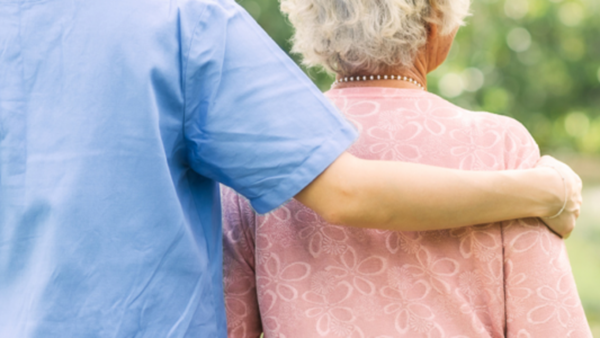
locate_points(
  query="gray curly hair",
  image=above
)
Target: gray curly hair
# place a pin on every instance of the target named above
(351, 36)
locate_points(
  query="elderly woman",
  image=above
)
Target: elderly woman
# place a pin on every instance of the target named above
(290, 274)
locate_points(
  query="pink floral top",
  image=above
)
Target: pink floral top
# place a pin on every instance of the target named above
(291, 275)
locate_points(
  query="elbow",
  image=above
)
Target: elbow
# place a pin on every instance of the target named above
(334, 216)
(337, 195)
(344, 206)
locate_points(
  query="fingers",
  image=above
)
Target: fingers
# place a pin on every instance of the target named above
(562, 226)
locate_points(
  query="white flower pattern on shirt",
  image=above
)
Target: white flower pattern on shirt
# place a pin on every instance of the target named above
(292, 275)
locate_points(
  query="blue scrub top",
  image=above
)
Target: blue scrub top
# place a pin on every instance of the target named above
(117, 118)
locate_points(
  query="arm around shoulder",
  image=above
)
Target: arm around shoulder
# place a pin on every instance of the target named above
(414, 197)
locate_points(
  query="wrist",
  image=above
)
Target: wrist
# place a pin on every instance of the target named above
(552, 187)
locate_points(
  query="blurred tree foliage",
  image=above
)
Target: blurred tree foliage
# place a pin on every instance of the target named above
(535, 60)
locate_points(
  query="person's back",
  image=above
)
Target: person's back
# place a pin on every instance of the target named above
(115, 124)
(291, 274)
(85, 87)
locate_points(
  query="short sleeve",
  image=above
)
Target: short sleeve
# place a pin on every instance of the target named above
(239, 277)
(254, 121)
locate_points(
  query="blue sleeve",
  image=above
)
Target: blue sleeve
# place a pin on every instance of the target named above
(254, 121)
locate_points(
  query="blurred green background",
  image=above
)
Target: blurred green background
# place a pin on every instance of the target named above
(539, 62)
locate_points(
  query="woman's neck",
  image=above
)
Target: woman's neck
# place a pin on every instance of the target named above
(417, 72)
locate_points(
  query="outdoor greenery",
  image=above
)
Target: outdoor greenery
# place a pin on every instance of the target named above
(537, 61)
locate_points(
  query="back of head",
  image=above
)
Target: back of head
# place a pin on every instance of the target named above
(350, 36)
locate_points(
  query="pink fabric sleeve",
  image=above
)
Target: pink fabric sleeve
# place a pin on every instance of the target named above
(241, 303)
(540, 292)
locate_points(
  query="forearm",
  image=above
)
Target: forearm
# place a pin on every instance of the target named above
(413, 197)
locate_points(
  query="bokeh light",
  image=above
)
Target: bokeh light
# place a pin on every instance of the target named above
(473, 79)
(451, 85)
(577, 124)
(571, 14)
(516, 9)
(519, 39)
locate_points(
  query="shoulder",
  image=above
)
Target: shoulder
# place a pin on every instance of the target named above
(486, 121)
(503, 133)
(207, 16)
(519, 148)
(226, 5)
(514, 133)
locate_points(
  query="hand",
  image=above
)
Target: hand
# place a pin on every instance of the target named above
(564, 223)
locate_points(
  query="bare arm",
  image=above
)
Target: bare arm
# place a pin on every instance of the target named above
(414, 197)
